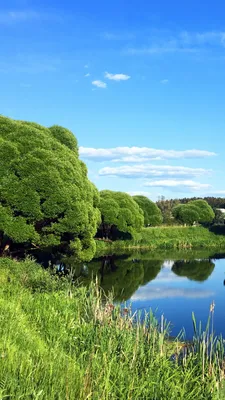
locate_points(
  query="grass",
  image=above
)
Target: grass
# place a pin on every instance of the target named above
(61, 342)
(171, 237)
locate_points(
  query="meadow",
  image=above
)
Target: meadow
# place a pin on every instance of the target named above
(167, 237)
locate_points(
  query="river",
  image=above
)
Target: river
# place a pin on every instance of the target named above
(173, 284)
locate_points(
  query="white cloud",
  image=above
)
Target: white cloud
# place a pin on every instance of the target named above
(86, 75)
(164, 81)
(117, 77)
(149, 170)
(99, 84)
(86, 66)
(178, 185)
(143, 153)
(139, 193)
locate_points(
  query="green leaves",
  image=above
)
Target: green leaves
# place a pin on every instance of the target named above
(121, 211)
(194, 211)
(45, 194)
(152, 214)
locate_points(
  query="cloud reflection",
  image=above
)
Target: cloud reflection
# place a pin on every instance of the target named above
(151, 293)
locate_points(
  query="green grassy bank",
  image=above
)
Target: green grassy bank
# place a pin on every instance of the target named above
(59, 342)
(171, 237)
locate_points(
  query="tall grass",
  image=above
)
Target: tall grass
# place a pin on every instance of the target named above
(171, 237)
(60, 342)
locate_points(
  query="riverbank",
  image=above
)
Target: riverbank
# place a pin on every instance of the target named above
(61, 342)
(163, 237)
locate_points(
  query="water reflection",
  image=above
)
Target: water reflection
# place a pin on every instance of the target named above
(124, 274)
(195, 270)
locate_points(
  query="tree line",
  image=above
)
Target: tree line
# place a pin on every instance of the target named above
(47, 201)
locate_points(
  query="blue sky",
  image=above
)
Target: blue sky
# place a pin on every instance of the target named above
(141, 84)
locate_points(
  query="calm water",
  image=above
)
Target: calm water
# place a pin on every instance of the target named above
(169, 284)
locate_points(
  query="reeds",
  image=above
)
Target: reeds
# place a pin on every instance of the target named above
(163, 237)
(59, 342)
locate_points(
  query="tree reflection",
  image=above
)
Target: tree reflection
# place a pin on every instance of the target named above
(123, 275)
(195, 270)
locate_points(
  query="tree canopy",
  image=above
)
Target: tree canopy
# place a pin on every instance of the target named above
(46, 199)
(152, 213)
(194, 211)
(119, 212)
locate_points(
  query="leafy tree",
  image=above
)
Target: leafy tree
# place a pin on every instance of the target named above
(186, 214)
(119, 212)
(195, 270)
(46, 199)
(194, 211)
(152, 213)
(166, 207)
(205, 211)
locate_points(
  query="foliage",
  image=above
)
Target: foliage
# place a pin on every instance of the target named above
(205, 211)
(187, 214)
(194, 211)
(196, 270)
(46, 199)
(214, 202)
(119, 212)
(152, 213)
(68, 344)
(219, 217)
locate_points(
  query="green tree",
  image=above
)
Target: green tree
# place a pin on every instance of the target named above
(119, 212)
(152, 213)
(194, 211)
(186, 214)
(205, 211)
(46, 199)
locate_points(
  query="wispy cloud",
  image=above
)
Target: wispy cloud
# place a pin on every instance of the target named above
(167, 48)
(117, 77)
(118, 36)
(183, 42)
(25, 85)
(139, 154)
(145, 171)
(164, 81)
(178, 185)
(99, 84)
(86, 66)
(213, 38)
(29, 64)
(19, 16)
(86, 75)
